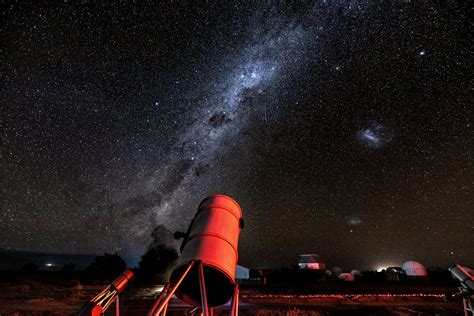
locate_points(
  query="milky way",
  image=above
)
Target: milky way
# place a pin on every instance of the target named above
(258, 67)
(263, 64)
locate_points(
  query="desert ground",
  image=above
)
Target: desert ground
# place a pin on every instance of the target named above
(43, 297)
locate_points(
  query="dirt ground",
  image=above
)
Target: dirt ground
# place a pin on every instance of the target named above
(35, 298)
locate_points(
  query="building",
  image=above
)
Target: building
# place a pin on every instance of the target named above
(346, 277)
(248, 276)
(311, 262)
(394, 274)
(414, 269)
(242, 273)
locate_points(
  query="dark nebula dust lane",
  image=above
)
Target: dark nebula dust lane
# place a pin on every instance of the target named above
(342, 128)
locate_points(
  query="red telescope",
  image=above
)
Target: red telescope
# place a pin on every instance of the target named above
(205, 276)
(99, 304)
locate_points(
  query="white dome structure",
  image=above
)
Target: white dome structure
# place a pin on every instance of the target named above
(335, 272)
(347, 277)
(356, 273)
(414, 269)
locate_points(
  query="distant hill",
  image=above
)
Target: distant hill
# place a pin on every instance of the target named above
(16, 259)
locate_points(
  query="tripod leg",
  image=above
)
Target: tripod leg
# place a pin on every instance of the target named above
(159, 299)
(234, 310)
(202, 286)
(164, 310)
(468, 307)
(464, 305)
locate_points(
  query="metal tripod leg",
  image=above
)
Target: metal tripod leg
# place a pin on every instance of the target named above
(159, 299)
(234, 310)
(117, 306)
(467, 305)
(164, 310)
(202, 287)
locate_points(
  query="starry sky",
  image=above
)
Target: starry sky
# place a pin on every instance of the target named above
(342, 128)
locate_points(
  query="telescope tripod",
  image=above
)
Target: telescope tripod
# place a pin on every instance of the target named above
(466, 301)
(101, 302)
(161, 304)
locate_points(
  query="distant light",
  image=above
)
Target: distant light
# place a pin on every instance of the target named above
(158, 289)
(49, 264)
(422, 52)
(383, 267)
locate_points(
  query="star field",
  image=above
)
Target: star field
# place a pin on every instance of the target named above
(342, 128)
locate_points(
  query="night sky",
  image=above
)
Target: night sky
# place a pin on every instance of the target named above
(343, 129)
